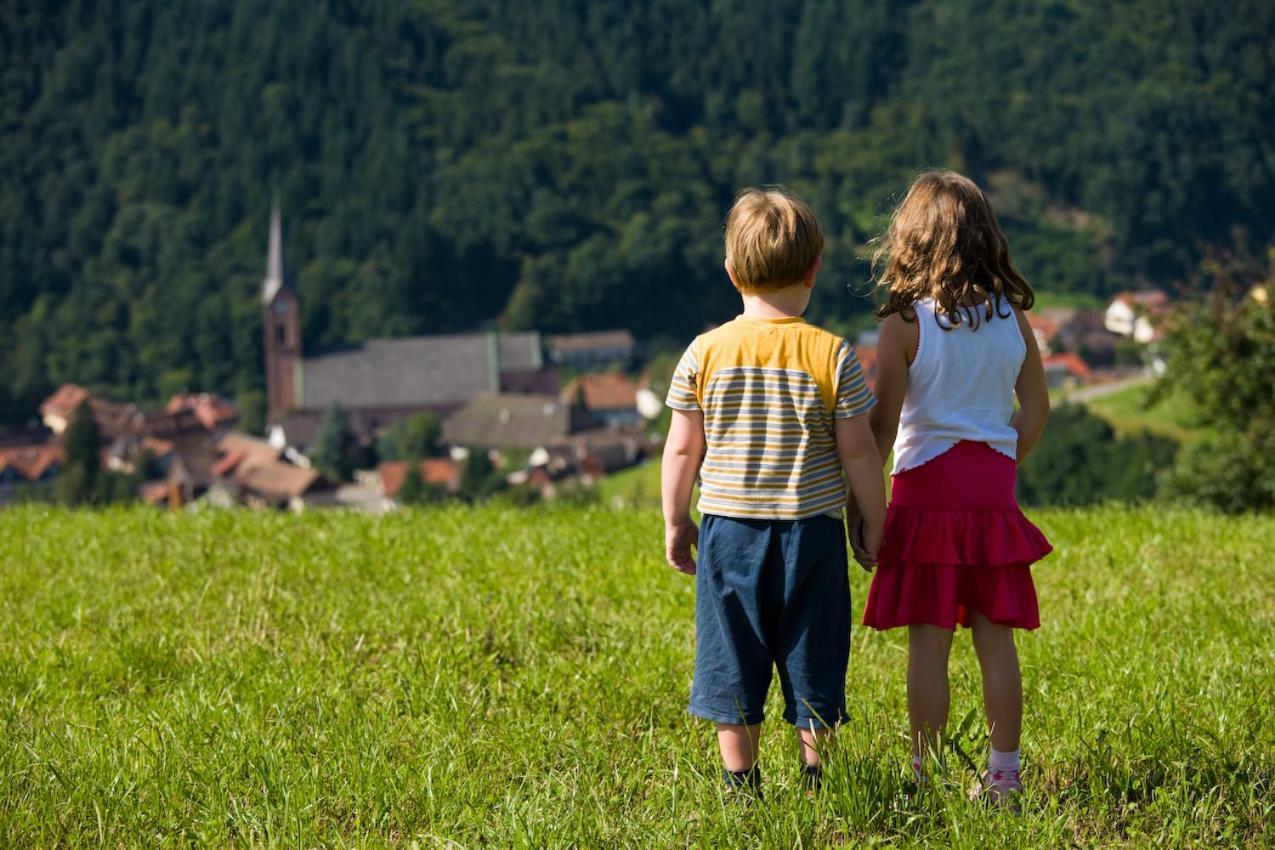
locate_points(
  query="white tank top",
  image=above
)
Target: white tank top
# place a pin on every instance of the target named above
(960, 386)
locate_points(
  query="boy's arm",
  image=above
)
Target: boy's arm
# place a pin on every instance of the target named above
(1032, 392)
(896, 345)
(683, 452)
(862, 464)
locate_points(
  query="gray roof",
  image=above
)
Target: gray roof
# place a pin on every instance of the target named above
(521, 352)
(508, 422)
(420, 371)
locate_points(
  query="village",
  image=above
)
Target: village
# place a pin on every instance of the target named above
(539, 416)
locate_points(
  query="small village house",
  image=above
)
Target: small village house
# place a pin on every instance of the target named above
(585, 352)
(1135, 315)
(608, 398)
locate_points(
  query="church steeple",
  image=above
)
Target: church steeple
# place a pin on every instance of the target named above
(281, 314)
(275, 279)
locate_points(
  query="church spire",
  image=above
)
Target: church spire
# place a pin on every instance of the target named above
(274, 280)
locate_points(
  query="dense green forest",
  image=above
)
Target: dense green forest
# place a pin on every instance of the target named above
(448, 164)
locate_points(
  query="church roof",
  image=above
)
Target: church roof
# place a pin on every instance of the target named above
(422, 371)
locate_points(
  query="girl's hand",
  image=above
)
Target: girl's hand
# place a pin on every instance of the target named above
(678, 539)
(865, 539)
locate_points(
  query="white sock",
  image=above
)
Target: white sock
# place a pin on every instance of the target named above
(1003, 762)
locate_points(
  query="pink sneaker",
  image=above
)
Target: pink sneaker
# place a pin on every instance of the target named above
(1000, 788)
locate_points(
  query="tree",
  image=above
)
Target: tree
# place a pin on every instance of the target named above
(333, 452)
(479, 479)
(80, 481)
(1081, 461)
(410, 439)
(1219, 352)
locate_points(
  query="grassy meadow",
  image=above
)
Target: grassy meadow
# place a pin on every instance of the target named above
(504, 678)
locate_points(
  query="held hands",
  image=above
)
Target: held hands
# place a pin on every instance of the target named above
(865, 539)
(678, 539)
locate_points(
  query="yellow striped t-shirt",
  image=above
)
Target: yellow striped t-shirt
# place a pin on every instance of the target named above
(769, 390)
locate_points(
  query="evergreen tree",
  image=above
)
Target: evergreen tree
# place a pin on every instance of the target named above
(333, 451)
(81, 481)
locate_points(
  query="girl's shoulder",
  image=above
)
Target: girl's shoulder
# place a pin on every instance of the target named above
(900, 336)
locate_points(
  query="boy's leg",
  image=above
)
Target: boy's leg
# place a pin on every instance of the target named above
(732, 660)
(738, 744)
(928, 697)
(812, 629)
(1002, 681)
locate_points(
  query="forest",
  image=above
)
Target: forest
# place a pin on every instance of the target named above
(445, 165)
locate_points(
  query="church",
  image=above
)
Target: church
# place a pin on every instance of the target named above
(383, 379)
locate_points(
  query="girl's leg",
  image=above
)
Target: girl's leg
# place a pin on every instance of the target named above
(738, 744)
(1002, 682)
(928, 698)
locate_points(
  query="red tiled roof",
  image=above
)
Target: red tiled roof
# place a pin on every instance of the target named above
(31, 462)
(211, 409)
(1154, 301)
(64, 400)
(601, 391)
(1071, 363)
(442, 472)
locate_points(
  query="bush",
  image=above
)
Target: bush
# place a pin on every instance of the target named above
(1220, 353)
(1081, 461)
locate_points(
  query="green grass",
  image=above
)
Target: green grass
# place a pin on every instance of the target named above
(497, 678)
(1128, 412)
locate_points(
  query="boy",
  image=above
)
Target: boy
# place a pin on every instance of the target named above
(774, 408)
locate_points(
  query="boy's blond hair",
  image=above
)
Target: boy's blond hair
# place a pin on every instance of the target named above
(772, 239)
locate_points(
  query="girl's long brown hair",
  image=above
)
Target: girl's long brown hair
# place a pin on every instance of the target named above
(943, 242)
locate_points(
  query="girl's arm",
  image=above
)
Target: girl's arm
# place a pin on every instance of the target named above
(683, 452)
(896, 346)
(1033, 394)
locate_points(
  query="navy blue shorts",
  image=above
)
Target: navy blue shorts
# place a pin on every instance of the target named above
(771, 593)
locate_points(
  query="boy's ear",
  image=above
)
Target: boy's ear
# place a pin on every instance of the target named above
(730, 273)
(814, 270)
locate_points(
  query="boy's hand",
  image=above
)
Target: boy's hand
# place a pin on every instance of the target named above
(678, 540)
(865, 540)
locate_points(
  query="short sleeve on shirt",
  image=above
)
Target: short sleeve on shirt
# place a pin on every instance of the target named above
(853, 395)
(681, 390)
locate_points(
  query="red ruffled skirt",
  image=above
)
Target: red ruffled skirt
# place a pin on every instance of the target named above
(956, 542)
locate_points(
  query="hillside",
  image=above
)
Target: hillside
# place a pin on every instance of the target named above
(448, 164)
(518, 679)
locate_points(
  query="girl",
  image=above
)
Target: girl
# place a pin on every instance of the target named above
(954, 350)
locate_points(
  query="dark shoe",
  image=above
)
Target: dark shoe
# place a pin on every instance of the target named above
(744, 783)
(812, 776)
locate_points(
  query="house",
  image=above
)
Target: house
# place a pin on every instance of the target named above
(1047, 323)
(31, 463)
(595, 350)
(510, 422)
(608, 398)
(600, 451)
(383, 379)
(435, 471)
(113, 419)
(1086, 336)
(1135, 314)
(211, 410)
(253, 471)
(1065, 369)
